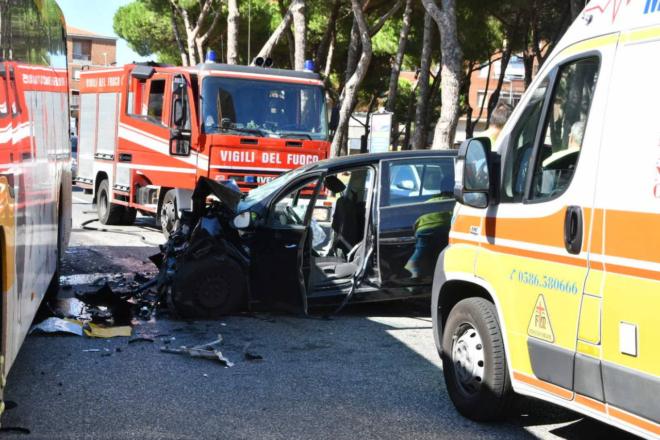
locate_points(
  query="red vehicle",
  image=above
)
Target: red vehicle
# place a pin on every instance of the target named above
(148, 132)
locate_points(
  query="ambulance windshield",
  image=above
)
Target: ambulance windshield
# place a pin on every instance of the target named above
(263, 108)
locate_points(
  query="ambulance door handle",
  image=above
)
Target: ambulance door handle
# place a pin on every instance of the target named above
(573, 229)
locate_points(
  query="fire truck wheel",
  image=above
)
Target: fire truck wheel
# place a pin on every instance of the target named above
(208, 288)
(129, 216)
(474, 361)
(109, 213)
(168, 213)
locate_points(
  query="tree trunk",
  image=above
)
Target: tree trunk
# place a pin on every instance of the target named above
(300, 33)
(381, 21)
(467, 109)
(290, 42)
(356, 78)
(233, 17)
(275, 36)
(190, 39)
(398, 59)
(194, 40)
(495, 97)
(328, 58)
(445, 129)
(420, 136)
(353, 52)
(409, 117)
(323, 50)
(177, 38)
(483, 101)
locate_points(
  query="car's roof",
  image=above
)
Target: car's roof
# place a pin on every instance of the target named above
(371, 158)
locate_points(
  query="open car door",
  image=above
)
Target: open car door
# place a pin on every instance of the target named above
(415, 209)
(280, 256)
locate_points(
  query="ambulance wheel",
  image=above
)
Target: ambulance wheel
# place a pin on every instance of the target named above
(168, 214)
(109, 213)
(474, 361)
(208, 288)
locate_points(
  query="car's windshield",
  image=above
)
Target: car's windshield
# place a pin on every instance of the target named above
(260, 193)
(263, 108)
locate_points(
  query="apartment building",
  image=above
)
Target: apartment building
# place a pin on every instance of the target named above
(86, 50)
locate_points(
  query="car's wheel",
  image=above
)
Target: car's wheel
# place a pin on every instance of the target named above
(109, 213)
(474, 361)
(168, 214)
(208, 288)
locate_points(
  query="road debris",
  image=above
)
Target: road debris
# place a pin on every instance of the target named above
(98, 331)
(140, 339)
(58, 325)
(250, 356)
(206, 351)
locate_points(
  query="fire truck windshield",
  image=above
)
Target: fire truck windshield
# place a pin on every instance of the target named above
(263, 108)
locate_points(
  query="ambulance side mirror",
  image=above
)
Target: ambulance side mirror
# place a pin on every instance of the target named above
(475, 174)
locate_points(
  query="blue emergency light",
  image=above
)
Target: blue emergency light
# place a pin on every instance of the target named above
(211, 56)
(251, 179)
(309, 65)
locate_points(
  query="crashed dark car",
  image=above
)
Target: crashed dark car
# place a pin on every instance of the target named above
(358, 228)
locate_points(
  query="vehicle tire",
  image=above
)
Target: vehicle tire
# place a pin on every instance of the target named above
(109, 213)
(54, 285)
(208, 288)
(168, 214)
(474, 361)
(129, 216)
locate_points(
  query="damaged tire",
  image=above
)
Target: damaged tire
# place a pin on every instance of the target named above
(208, 288)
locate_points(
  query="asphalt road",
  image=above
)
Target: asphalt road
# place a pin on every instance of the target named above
(371, 372)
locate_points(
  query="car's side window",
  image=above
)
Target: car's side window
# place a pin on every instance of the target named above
(564, 128)
(415, 181)
(521, 145)
(291, 208)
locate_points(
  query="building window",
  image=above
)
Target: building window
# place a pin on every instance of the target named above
(82, 50)
(76, 74)
(505, 96)
(75, 98)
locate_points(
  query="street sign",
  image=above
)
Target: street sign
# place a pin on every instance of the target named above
(379, 135)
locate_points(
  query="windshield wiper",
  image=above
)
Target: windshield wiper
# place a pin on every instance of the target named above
(253, 131)
(294, 134)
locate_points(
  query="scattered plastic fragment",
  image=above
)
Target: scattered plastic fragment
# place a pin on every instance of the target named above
(91, 350)
(206, 351)
(99, 331)
(58, 325)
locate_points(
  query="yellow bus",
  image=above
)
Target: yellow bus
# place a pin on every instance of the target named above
(35, 163)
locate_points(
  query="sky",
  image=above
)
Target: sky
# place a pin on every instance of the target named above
(96, 16)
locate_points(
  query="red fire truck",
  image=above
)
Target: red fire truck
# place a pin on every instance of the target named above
(147, 132)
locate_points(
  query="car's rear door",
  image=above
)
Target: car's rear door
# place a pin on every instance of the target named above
(415, 206)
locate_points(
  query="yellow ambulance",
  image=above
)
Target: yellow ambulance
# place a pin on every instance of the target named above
(550, 286)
